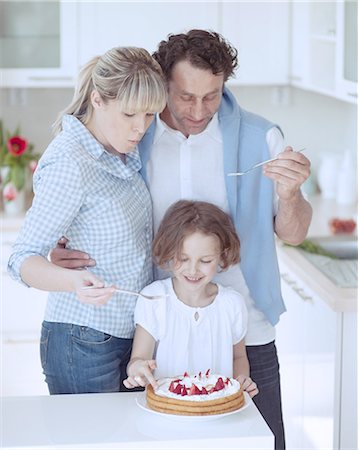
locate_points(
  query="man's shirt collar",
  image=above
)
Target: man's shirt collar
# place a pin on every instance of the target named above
(213, 130)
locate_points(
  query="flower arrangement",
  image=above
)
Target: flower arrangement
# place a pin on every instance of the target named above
(17, 159)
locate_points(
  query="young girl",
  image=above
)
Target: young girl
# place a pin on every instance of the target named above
(197, 325)
(88, 188)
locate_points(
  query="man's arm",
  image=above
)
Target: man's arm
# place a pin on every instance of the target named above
(293, 219)
(294, 213)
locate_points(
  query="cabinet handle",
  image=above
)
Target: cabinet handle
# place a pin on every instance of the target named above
(287, 279)
(21, 341)
(295, 287)
(298, 290)
(38, 78)
(295, 78)
(301, 292)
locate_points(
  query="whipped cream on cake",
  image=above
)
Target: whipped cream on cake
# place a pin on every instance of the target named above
(199, 388)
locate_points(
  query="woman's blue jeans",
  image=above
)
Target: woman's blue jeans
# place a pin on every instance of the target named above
(264, 370)
(78, 359)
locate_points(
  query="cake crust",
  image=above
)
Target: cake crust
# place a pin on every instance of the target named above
(175, 404)
(189, 408)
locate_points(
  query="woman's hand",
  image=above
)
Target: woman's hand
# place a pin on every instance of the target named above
(91, 290)
(248, 385)
(140, 373)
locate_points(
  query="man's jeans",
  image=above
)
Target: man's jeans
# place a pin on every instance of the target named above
(264, 370)
(78, 359)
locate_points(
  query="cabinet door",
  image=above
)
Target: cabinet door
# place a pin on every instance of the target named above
(38, 43)
(321, 383)
(324, 48)
(21, 371)
(259, 30)
(290, 346)
(300, 49)
(349, 373)
(308, 342)
(22, 308)
(104, 25)
(22, 311)
(347, 51)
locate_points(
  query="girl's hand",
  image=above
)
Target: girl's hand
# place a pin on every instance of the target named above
(248, 385)
(140, 373)
(90, 290)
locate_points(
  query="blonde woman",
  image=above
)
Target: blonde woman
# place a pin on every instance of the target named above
(88, 188)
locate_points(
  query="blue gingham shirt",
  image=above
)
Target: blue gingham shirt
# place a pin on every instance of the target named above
(104, 208)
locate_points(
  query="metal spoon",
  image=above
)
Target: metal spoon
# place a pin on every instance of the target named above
(126, 291)
(238, 174)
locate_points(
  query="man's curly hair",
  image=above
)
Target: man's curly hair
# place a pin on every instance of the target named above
(205, 50)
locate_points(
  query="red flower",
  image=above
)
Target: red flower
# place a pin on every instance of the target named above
(9, 192)
(16, 145)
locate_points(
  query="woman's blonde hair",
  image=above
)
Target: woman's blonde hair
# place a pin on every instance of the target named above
(127, 74)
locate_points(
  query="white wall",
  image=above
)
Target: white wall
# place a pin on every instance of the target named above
(34, 110)
(319, 123)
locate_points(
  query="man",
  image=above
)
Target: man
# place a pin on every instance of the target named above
(201, 136)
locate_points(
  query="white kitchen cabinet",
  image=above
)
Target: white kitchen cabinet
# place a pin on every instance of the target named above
(349, 375)
(324, 48)
(21, 372)
(347, 50)
(259, 30)
(289, 342)
(38, 42)
(306, 348)
(318, 365)
(22, 311)
(22, 307)
(103, 25)
(49, 53)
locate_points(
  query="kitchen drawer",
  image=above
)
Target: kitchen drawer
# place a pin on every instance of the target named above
(22, 308)
(21, 371)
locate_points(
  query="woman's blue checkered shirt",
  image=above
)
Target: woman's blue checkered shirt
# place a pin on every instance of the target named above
(104, 208)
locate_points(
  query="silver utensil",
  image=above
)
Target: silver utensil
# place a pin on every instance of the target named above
(126, 291)
(238, 174)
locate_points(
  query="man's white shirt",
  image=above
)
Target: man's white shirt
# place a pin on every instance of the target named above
(192, 169)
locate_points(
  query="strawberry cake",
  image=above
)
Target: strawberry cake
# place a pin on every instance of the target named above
(196, 395)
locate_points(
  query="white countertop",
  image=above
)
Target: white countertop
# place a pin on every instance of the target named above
(339, 299)
(326, 209)
(115, 421)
